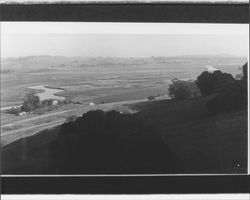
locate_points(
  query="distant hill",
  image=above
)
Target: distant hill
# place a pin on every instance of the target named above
(33, 63)
(7, 71)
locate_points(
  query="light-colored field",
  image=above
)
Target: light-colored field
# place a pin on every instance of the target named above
(84, 79)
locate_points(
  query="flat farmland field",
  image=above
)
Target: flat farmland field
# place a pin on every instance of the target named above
(110, 83)
(86, 79)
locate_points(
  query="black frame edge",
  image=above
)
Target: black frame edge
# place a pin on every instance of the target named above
(127, 185)
(150, 12)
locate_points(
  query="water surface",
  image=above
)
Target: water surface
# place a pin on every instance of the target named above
(47, 93)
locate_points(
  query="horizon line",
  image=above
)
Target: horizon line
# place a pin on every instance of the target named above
(153, 56)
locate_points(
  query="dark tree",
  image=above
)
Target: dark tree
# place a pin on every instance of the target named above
(244, 71)
(216, 82)
(47, 102)
(243, 84)
(222, 82)
(230, 93)
(31, 102)
(204, 83)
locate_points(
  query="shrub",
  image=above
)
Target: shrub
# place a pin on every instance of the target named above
(150, 98)
(14, 110)
(180, 89)
(66, 101)
(71, 118)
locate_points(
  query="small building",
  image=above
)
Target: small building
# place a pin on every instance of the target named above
(22, 113)
(54, 102)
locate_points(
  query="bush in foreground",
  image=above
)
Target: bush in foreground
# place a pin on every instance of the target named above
(109, 143)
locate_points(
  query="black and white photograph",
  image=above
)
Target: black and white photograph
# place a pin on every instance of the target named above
(81, 98)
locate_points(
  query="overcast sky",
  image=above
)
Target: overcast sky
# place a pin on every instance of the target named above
(122, 39)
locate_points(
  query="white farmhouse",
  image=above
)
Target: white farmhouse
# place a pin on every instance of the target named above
(54, 102)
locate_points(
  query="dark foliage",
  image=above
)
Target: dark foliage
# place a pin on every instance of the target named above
(181, 89)
(14, 110)
(47, 102)
(71, 118)
(210, 83)
(31, 102)
(204, 83)
(111, 142)
(150, 98)
(244, 71)
(230, 94)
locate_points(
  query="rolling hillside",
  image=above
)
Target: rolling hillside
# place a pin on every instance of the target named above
(204, 143)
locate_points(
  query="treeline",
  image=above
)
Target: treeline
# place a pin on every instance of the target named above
(229, 92)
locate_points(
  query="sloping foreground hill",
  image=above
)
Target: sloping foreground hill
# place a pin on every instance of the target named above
(28, 155)
(203, 143)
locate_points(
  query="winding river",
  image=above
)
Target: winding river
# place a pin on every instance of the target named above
(47, 93)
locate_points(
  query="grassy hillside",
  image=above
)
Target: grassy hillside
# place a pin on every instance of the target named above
(28, 155)
(203, 143)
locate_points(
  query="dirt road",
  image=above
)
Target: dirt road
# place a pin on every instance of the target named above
(36, 118)
(28, 129)
(26, 132)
